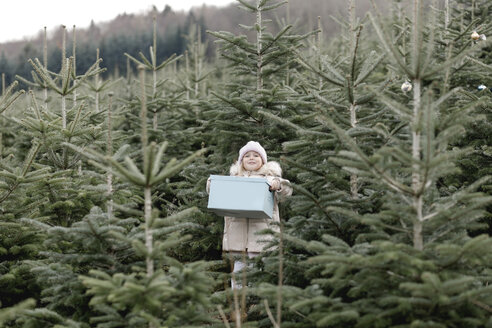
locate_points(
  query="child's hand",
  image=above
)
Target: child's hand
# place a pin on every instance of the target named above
(275, 185)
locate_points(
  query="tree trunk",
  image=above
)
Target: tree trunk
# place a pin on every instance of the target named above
(354, 190)
(64, 112)
(109, 152)
(418, 241)
(148, 231)
(259, 63)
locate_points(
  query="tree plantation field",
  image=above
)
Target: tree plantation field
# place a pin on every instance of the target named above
(384, 133)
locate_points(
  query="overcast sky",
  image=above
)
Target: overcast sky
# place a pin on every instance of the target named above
(21, 19)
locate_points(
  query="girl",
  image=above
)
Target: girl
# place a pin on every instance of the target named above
(240, 234)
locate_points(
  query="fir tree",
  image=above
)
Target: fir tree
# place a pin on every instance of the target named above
(469, 75)
(18, 242)
(141, 296)
(152, 65)
(416, 265)
(257, 70)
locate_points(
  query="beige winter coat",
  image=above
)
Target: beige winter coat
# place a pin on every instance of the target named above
(240, 234)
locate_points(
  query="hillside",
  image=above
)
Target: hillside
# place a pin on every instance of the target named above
(132, 33)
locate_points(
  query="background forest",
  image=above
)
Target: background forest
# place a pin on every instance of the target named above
(131, 33)
(384, 131)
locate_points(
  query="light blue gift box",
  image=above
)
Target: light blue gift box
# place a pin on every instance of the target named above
(240, 197)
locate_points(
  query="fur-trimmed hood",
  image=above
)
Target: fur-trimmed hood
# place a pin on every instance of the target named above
(271, 168)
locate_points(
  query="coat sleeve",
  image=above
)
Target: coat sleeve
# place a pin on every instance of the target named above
(285, 187)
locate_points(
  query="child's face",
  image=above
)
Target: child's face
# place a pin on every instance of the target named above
(252, 161)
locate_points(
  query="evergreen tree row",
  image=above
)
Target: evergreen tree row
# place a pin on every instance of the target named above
(384, 134)
(110, 47)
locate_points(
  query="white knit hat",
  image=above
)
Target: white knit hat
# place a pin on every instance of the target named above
(253, 146)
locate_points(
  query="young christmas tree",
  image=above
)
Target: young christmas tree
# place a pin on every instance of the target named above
(256, 75)
(18, 242)
(472, 18)
(415, 263)
(141, 295)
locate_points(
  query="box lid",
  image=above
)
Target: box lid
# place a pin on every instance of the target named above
(234, 178)
(240, 197)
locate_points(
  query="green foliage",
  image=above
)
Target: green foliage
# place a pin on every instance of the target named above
(8, 98)
(103, 201)
(7, 314)
(175, 299)
(393, 284)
